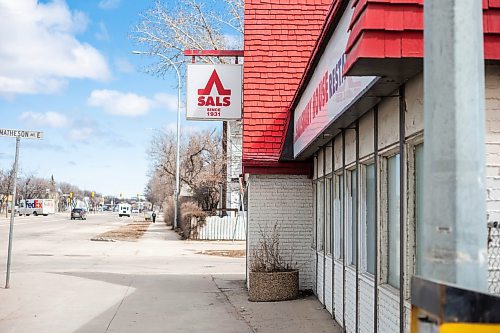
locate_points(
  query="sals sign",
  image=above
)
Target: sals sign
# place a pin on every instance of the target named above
(213, 92)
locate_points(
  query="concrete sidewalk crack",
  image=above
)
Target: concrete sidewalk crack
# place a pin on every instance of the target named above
(120, 305)
(238, 314)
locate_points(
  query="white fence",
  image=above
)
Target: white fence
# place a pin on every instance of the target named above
(231, 227)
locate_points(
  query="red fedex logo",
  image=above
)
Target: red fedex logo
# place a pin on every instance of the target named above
(205, 99)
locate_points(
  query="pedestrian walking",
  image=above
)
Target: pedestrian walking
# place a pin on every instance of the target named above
(154, 217)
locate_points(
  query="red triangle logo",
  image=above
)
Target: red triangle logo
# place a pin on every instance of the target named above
(214, 79)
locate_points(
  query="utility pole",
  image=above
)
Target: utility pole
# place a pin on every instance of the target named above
(455, 248)
(224, 169)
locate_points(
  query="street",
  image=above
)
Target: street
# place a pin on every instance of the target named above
(61, 281)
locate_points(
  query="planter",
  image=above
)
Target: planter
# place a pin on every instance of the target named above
(274, 286)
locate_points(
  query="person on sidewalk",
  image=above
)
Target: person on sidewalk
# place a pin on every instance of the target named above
(154, 217)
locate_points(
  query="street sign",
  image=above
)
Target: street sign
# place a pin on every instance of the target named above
(12, 133)
(18, 135)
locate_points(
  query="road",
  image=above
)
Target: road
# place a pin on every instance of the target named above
(61, 281)
(60, 276)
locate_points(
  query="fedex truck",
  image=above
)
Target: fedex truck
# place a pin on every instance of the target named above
(37, 207)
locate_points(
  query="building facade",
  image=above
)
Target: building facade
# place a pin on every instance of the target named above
(333, 147)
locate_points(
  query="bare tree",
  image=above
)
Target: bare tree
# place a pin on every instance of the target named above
(6, 187)
(31, 187)
(159, 187)
(201, 164)
(166, 30)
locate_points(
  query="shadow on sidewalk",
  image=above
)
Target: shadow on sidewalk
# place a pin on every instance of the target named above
(200, 303)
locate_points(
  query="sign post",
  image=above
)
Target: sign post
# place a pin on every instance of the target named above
(17, 134)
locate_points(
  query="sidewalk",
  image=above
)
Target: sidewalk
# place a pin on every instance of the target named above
(159, 284)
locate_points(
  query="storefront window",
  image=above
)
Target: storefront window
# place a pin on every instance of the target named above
(320, 214)
(419, 211)
(338, 207)
(328, 216)
(369, 218)
(353, 218)
(393, 219)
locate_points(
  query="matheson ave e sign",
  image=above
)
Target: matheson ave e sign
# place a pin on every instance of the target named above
(12, 133)
(213, 92)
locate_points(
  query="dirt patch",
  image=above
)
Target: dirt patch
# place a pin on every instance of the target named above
(224, 253)
(130, 232)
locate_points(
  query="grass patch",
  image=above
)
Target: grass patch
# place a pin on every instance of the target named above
(130, 232)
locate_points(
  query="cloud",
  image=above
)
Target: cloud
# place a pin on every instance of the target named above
(119, 103)
(102, 34)
(185, 130)
(109, 4)
(129, 104)
(44, 145)
(47, 119)
(164, 100)
(39, 51)
(81, 134)
(124, 66)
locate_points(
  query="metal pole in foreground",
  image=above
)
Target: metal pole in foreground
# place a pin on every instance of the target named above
(12, 214)
(454, 155)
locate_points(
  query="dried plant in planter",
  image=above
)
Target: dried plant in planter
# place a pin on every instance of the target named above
(266, 257)
(271, 277)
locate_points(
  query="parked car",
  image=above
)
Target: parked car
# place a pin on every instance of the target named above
(78, 213)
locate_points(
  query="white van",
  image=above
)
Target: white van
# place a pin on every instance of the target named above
(124, 210)
(37, 207)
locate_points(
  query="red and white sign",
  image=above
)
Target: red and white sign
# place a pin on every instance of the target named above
(213, 92)
(329, 93)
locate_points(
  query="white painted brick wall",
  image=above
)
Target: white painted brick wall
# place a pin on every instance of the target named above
(328, 284)
(338, 291)
(493, 142)
(407, 310)
(319, 278)
(366, 304)
(350, 300)
(328, 281)
(388, 312)
(286, 201)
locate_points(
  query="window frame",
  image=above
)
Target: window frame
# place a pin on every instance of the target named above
(350, 206)
(383, 215)
(363, 211)
(320, 214)
(328, 219)
(338, 221)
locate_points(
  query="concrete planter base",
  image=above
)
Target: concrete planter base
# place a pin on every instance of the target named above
(272, 287)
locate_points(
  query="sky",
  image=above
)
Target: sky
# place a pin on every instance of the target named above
(67, 69)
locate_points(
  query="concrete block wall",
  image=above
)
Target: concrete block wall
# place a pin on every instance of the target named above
(285, 201)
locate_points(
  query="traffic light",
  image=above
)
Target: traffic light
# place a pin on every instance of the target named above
(93, 194)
